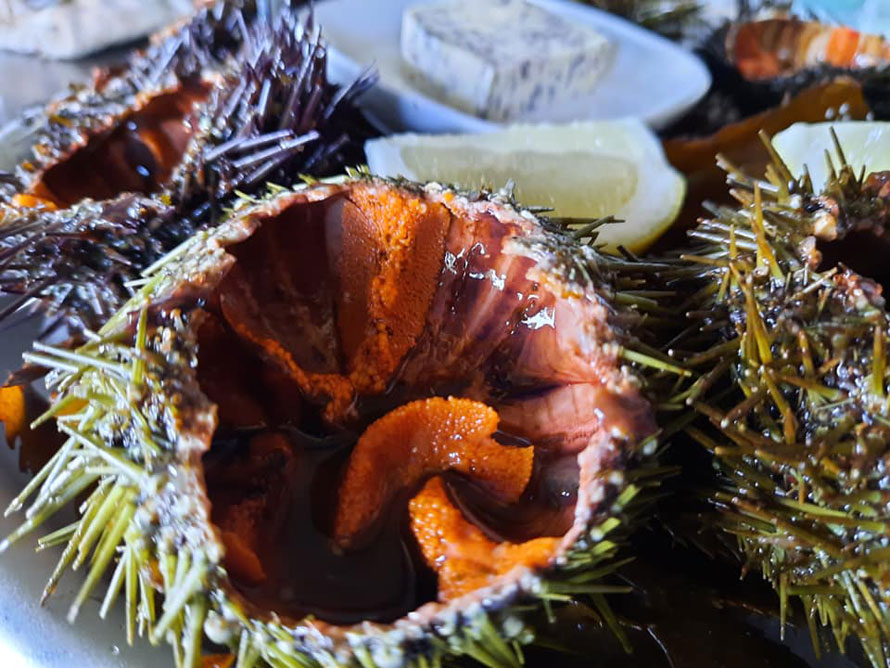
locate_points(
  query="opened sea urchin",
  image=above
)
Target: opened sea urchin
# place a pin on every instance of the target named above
(125, 170)
(361, 422)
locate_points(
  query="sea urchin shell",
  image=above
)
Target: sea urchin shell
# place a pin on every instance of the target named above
(361, 422)
(125, 170)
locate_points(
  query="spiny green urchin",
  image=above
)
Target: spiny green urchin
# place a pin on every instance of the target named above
(791, 345)
(224, 422)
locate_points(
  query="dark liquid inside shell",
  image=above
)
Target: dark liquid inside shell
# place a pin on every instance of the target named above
(136, 154)
(276, 463)
(862, 251)
(305, 574)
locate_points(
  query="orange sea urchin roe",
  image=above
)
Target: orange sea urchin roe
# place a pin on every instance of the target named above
(334, 386)
(420, 439)
(241, 522)
(26, 201)
(393, 244)
(464, 558)
(382, 249)
(240, 525)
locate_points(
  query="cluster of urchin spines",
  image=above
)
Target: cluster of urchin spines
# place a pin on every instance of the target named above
(274, 118)
(196, 50)
(792, 391)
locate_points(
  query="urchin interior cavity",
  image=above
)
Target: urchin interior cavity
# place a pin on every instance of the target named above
(137, 154)
(337, 313)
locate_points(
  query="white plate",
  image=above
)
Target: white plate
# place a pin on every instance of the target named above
(651, 78)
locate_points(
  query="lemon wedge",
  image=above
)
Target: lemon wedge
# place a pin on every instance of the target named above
(864, 143)
(579, 170)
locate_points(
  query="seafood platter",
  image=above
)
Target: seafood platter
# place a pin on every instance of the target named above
(449, 333)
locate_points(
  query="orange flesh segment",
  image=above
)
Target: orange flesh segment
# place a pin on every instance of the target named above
(842, 47)
(12, 412)
(391, 256)
(241, 560)
(752, 53)
(240, 535)
(26, 201)
(393, 245)
(420, 439)
(337, 388)
(464, 558)
(240, 523)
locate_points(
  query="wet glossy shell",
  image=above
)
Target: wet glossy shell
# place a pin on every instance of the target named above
(791, 345)
(139, 423)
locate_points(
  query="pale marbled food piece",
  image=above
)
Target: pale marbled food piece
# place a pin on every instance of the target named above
(501, 59)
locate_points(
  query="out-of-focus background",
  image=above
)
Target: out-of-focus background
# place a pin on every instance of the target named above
(45, 45)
